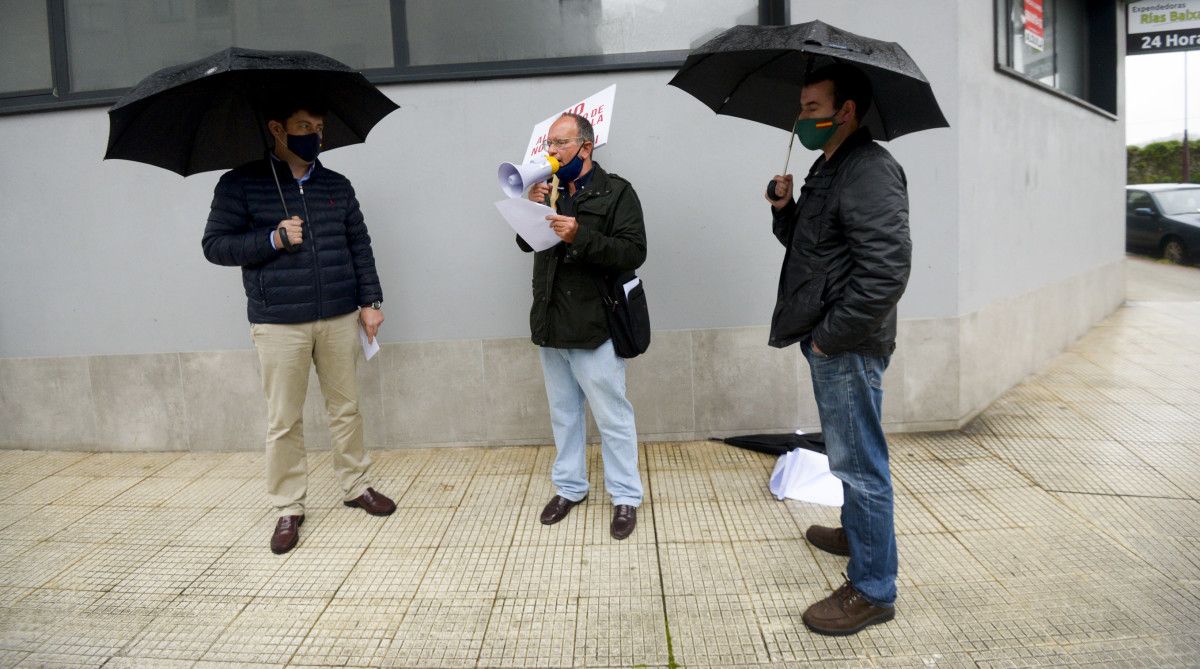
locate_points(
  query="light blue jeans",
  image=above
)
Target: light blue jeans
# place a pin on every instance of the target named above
(597, 375)
(849, 392)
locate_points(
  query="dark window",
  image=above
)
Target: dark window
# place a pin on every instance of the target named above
(508, 30)
(1068, 47)
(66, 53)
(25, 66)
(112, 44)
(1138, 199)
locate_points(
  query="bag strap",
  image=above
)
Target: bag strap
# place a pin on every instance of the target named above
(605, 294)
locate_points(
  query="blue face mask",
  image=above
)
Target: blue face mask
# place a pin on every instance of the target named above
(306, 147)
(570, 171)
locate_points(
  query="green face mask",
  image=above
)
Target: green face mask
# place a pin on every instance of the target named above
(814, 132)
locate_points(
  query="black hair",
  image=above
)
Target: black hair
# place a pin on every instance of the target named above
(283, 109)
(849, 83)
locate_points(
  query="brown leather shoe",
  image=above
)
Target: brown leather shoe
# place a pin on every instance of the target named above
(623, 522)
(287, 533)
(845, 612)
(557, 508)
(829, 539)
(374, 503)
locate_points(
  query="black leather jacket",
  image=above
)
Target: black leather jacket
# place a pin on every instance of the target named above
(848, 252)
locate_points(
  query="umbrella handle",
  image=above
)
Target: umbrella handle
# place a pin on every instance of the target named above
(278, 188)
(787, 160)
(290, 248)
(771, 193)
(262, 128)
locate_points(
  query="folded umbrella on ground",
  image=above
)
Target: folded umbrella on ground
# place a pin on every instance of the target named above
(776, 444)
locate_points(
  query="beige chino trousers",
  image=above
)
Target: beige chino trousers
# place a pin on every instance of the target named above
(286, 352)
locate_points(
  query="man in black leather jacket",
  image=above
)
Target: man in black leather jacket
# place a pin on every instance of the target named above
(295, 229)
(846, 265)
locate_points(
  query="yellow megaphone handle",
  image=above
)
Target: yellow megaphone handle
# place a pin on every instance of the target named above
(554, 165)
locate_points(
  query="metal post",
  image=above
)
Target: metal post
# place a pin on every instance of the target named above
(1187, 148)
(773, 13)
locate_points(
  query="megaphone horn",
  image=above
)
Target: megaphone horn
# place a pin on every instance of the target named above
(516, 179)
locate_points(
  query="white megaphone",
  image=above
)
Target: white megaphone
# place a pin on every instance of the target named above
(516, 179)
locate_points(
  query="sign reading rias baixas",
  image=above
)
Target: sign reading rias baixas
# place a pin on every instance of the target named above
(1157, 26)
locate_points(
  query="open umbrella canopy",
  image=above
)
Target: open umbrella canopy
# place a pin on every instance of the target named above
(757, 72)
(210, 114)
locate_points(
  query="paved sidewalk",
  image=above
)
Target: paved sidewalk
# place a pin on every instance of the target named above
(1060, 528)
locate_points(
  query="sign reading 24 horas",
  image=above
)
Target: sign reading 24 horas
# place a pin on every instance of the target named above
(1155, 26)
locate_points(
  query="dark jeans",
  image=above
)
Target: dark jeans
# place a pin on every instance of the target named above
(849, 393)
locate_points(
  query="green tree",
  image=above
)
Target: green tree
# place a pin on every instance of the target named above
(1161, 162)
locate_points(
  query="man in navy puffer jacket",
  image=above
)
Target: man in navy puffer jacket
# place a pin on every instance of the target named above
(296, 231)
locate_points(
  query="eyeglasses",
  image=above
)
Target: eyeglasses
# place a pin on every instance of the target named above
(558, 143)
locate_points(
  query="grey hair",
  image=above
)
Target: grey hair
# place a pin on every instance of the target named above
(584, 126)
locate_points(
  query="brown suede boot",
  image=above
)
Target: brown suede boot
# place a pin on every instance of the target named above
(829, 539)
(845, 612)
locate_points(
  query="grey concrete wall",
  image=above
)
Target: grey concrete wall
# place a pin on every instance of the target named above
(1041, 179)
(1042, 233)
(692, 384)
(115, 333)
(1011, 338)
(104, 257)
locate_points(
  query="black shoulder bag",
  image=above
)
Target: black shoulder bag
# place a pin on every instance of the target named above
(628, 316)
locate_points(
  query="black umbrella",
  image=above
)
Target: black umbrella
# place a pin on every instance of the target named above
(209, 114)
(756, 73)
(776, 444)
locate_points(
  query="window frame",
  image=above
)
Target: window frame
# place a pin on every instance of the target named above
(60, 95)
(1003, 47)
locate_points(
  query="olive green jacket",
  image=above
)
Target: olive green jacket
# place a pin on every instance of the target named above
(568, 311)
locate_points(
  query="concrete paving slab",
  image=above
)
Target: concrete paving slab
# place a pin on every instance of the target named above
(1061, 527)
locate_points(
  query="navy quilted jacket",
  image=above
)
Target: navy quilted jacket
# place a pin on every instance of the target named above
(332, 274)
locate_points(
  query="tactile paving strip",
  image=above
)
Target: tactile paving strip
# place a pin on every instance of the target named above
(267, 631)
(440, 631)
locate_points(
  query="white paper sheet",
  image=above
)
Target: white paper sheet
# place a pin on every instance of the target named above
(529, 220)
(804, 475)
(630, 285)
(370, 348)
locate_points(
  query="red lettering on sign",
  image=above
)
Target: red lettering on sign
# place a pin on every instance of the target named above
(1034, 21)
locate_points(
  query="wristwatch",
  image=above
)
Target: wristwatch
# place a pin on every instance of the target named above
(377, 304)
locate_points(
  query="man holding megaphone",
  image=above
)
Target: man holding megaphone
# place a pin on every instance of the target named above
(599, 220)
